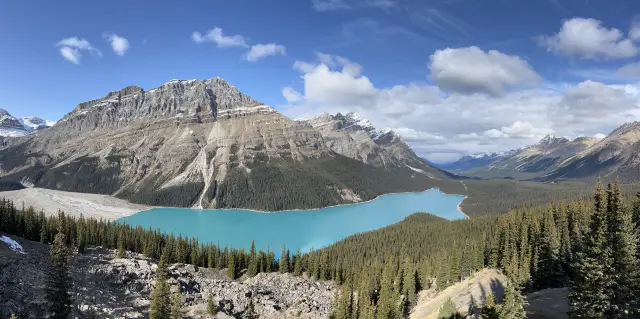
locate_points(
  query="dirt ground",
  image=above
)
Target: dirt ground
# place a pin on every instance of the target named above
(94, 205)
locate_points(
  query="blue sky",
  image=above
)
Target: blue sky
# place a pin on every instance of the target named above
(391, 41)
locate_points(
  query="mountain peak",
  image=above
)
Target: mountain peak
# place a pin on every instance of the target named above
(208, 99)
(552, 140)
(12, 126)
(624, 128)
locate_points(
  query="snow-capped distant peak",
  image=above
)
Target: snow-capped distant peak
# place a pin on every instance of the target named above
(379, 134)
(35, 123)
(12, 126)
(357, 119)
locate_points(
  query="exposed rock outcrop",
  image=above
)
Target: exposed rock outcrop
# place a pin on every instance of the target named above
(109, 287)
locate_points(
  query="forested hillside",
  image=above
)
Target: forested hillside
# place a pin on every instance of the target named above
(589, 245)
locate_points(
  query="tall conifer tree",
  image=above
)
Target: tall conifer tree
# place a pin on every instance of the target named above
(58, 281)
(587, 298)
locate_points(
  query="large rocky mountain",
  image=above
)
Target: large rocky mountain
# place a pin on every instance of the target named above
(11, 126)
(354, 137)
(617, 155)
(535, 160)
(203, 143)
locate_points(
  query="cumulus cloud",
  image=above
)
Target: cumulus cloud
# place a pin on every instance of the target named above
(71, 49)
(588, 39)
(260, 51)
(452, 124)
(119, 44)
(494, 134)
(471, 70)
(216, 36)
(590, 102)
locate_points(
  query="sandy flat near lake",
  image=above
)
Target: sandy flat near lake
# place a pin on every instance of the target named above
(90, 205)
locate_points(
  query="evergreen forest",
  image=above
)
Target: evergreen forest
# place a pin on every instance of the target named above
(589, 245)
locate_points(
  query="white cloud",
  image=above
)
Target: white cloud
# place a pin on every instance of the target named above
(410, 134)
(330, 5)
(216, 36)
(599, 135)
(70, 54)
(291, 95)
(629, 70)
(70, 49)
(591, 102)
(437, 123)
(588, 39)
(525, 130)
(494, 134)
(634, 31)
(119, 44)
(471, 70)
(260, 51)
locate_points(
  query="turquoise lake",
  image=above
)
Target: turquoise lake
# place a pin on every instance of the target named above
(295, 228)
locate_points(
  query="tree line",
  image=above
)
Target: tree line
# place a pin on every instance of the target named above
(589, 245)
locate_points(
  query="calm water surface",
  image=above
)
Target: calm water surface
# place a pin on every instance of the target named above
(297, 229)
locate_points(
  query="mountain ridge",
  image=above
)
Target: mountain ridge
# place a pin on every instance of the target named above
(203, 143)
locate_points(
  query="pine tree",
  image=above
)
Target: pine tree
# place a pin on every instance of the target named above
(194, 254)
(449, 310)
(513, 306)
(211, 307)
(389, 297)
(624, 266)
(176, 306)
(489, 309)
(231, 266)
(587, 298)
(549, 268)
(250, 312)
(161, 295)
(58, 281)
(120, 244)
(297, 265)
(211, 257)
(283, 264)
(343, 303)
(81, 239)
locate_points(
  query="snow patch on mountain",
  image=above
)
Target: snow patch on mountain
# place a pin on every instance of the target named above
(11, 126)
(13, 245)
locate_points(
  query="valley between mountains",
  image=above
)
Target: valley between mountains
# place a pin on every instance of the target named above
(204, 144)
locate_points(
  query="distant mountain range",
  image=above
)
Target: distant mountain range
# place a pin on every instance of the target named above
(203, 143)
(11, 126)
(557, 158)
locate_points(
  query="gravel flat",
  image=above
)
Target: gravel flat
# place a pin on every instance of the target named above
(93, 205)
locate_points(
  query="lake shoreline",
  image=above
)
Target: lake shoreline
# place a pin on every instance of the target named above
(112, 208)
(459, 206)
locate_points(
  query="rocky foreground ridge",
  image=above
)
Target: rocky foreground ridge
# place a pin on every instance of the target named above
(110, 287)
(203, 143)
